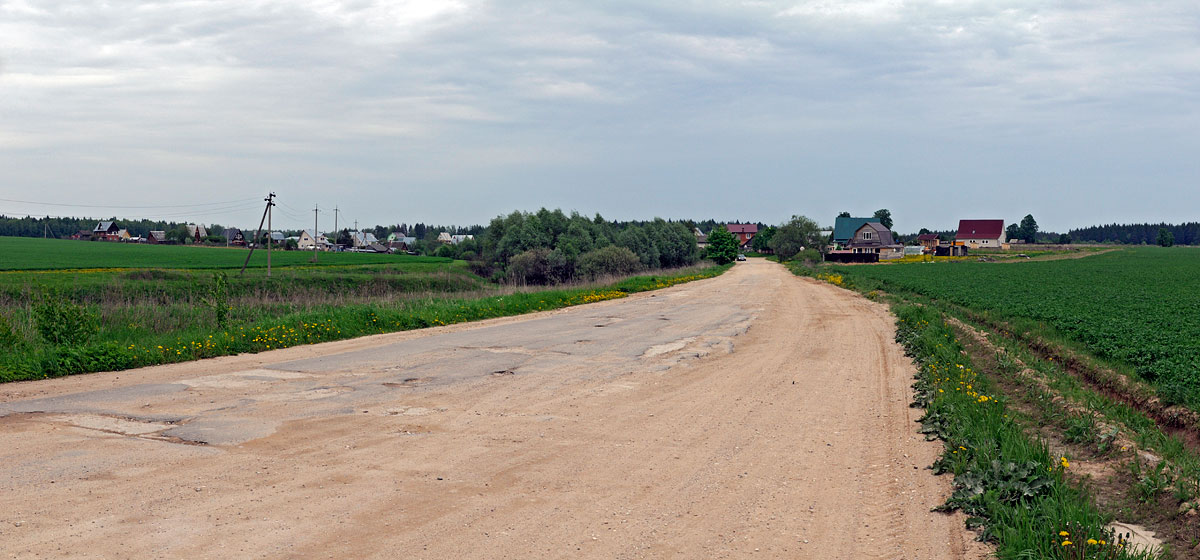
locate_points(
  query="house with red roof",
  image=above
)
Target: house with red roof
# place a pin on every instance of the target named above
(981, 234)
(743, 232)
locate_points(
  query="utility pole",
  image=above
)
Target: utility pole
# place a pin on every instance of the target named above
(336, 231)
(356, 233)
(270, 203)
(314, 235)
(258, 237)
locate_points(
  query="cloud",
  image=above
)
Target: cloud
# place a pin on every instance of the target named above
(469, 99)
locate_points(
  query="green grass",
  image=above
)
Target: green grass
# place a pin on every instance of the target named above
(150, 317)
(23, 253)
(1010, 486)
(1136, 307)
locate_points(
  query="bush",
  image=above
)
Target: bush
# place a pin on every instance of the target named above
(62, 321)
(608, 261)
(530, 267)
(808, 255)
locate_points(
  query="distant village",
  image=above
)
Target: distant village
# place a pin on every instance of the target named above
(869, 240)
(852, 239)
(358, 241)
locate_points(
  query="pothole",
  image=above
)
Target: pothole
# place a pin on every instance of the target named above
(112, 424)
(408, 382)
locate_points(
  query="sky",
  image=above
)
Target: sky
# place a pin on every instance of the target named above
(1079, 112)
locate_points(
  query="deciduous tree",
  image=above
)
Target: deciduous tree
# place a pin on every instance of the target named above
(1165, 237)
(722, 246)
(798, 234)
(1029, 229)
(885, 217)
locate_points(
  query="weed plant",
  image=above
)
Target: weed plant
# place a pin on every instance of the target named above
(1011, 487)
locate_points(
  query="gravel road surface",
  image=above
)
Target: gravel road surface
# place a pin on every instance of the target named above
(756, 414)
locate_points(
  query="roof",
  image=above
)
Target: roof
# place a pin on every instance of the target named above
(844, 227)
(927, 237)
(742, 228)
(158, 235)
(104, 226)
(980, 229)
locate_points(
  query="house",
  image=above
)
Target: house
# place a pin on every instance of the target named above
(278, 238)
(123, 235)
(873, 237)
(444, 237)
(456, 239)
(362, 239)
(197, 232)
(743, 232)
(701, 239)
(234, 237)
(929, 242)
(400, 243)
(844, 228)
(105, 231)
(157, 238)
(83, 235)
(307, 240)
(980, 234)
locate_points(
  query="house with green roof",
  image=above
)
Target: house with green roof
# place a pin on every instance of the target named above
(844, 229)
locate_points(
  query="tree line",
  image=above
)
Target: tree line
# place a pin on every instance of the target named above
(1137, 234)
(66, 227)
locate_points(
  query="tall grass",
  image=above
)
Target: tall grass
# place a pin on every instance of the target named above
(143, 334)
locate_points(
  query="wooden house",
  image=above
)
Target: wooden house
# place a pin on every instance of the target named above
(844, 228)
(873, 237)
(234, 237)
(743, 232)
(929, 242)
(106, 231)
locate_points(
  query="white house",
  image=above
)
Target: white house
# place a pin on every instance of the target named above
(981, 234)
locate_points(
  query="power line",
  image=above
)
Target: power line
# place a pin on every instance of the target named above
(225, 202)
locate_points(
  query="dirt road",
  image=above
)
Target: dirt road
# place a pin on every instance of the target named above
(754, 414)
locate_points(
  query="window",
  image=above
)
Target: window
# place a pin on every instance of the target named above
(867, 234)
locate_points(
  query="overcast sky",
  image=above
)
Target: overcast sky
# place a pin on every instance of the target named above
(1079, 112)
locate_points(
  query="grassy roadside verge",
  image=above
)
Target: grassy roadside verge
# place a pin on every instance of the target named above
(1019, 485)
(321, 325)
(1010, 485)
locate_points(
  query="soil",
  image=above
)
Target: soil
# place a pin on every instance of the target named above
(753, 414)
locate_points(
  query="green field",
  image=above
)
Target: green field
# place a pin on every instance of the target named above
(71, 307)
(1139, 307)
(23, 253)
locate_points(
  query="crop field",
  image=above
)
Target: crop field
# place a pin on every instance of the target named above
(1060, 379)
(23, 253)
(71, 307)
(1138, 307)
